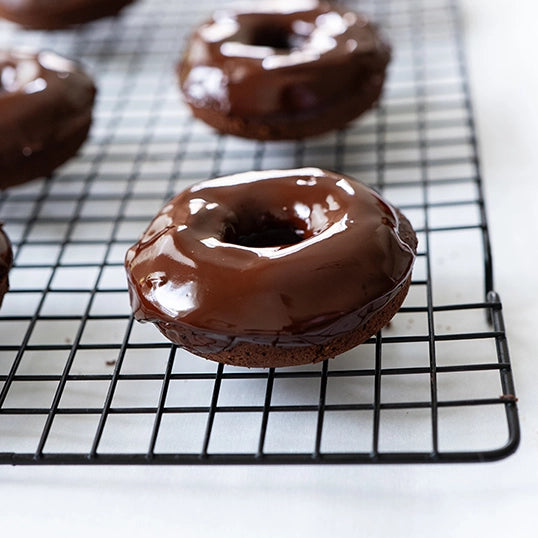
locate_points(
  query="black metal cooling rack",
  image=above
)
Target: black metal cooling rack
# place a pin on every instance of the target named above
(80, 383)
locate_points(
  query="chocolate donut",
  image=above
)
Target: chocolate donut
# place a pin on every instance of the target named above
(6, 260)
(54, 14)
(273, 268)
(46, 104)
(283, 72)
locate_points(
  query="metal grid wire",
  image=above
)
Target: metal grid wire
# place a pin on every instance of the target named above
(80, 382)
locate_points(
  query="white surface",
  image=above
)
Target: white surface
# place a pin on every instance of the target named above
(432, 501)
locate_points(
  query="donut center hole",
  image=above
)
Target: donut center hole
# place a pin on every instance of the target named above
(266, 231)
(276, 37)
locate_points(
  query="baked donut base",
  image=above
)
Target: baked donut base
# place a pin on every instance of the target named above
(43, 162)
(254, 355)
(264, 356)
(300, 125)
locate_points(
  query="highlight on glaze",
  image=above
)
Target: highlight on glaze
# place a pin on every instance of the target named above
(27, 72)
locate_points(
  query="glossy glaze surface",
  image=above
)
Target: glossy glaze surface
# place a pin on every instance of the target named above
(204, 264)
(45, 102)
(273, 59)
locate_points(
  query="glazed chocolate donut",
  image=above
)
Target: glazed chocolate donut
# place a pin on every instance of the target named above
(6, 260)
(274, 268)
(46, 104)
(54, 14)
(283, 72)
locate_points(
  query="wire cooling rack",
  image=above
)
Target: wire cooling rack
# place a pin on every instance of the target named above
(80, 382)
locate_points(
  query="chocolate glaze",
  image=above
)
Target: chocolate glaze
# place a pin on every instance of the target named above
(45, 112)
(48, 15)
(280, 61)
(199, 273)
(6, 260)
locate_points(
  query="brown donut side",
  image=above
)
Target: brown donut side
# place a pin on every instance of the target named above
(6, 261)
(297, 126)
(41, 130)
(259, 356)
(20, 168)
(254, 355)
(47, 15)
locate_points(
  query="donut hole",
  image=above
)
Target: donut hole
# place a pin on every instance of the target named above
(276, 37)
(264, 231)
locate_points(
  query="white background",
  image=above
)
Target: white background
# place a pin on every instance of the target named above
(433, 501)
